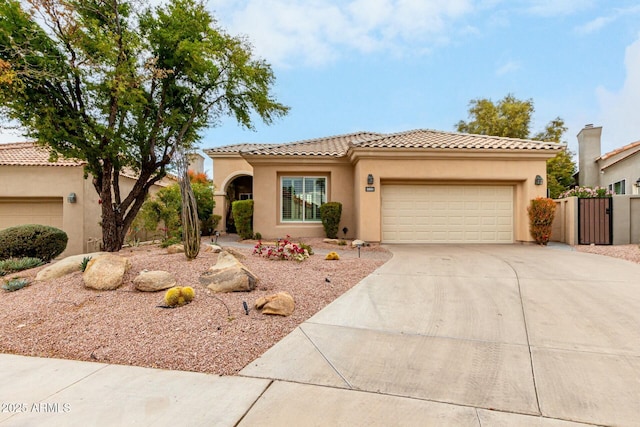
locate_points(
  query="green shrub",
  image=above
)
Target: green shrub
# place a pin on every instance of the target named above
(541, 212)
(15, 284)
(242, 211)
(170, 241)
(13, 265)
(84, 263)
(307, 248)
(215, 220)
(330, 215)
(258, 236)
(32, 240)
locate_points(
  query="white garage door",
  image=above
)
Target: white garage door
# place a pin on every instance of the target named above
(18, 211)
(447, 214)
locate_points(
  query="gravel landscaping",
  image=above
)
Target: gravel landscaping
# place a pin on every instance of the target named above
(61, 318)
(628, 252)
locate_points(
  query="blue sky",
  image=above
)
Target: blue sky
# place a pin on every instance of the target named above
(395, 65)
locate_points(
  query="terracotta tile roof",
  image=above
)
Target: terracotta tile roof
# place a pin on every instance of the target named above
(30, 154)
(620, 150)
(330, 146)
(235, 148)
(425, 138)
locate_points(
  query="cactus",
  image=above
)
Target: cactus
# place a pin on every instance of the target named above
(332, 256)
(177, 296)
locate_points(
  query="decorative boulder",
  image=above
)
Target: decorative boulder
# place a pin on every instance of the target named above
(106, 272)
(178, 248)
(357, 243)
(229, 275)
(280, 304)
(334, 241)
(235, 253)
(65, 266)
(213, 248)
(152, 281)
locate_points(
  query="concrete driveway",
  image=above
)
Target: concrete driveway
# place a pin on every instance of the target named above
(438, 336)
(465, 335)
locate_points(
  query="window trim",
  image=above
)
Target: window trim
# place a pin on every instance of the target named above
(623, 186)
(281, 201)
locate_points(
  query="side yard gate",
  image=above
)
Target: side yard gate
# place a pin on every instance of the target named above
(595, 221)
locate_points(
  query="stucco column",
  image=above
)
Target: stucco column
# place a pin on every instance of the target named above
(220, 198)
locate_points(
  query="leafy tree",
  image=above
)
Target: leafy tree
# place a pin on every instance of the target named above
(124, 89)
(511, 117)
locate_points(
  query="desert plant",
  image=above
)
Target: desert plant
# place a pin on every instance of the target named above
(13, 265)
(178, 296)
(330, 214)
(332, 256)
(342, 242)
(84, 263)
(258, 236)
(215, 220)
(170, 241)
(306, 248)
(242, 211)
(32, 240)
(541, 212)
(284, 250)
(15, 284)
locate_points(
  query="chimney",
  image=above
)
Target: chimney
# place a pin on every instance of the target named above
(588, 153)
(196, 163)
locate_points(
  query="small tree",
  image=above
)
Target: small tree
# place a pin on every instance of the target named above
(541, 213)
(242, 211)
(330, 214)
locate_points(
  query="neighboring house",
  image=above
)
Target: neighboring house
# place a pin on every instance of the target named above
(420, 186)
(34, 190)
(618, 170)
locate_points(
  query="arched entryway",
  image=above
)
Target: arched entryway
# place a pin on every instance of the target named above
(239, 188)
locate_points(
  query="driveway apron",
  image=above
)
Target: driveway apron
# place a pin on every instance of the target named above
(466, 335)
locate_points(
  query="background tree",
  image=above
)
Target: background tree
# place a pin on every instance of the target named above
(123, 88)
(511, 118)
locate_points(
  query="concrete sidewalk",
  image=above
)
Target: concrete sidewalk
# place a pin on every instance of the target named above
(440, 335)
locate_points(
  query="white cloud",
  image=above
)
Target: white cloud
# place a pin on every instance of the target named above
(602, 21)
(314, 31)
(557, 7)
(619, 109)
(508, 67)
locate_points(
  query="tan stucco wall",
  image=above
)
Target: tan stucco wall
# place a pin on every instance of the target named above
(266, 193)
(565, 221)
(517, 172)
(628, 169)
(225, 169)
(51, 181)
(81, 220)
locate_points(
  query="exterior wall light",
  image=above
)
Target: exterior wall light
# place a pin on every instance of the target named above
(71, 198)
(638, 182)
(369, 179)
(538, 180)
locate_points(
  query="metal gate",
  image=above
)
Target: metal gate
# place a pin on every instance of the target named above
(595, 221)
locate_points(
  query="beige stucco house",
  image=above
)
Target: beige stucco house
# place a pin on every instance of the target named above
(420, 186)
(34, 190)
(618, 170)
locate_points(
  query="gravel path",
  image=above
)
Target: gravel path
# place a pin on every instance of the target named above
(61, 318)
(628, 252)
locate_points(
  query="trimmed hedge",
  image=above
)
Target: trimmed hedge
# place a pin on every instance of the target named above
(330, 214)
(32, 240)
(242, 211)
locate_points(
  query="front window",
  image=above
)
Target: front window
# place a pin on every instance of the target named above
(618, 187)
(301, 198)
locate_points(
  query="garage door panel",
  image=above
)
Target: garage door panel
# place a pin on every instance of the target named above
(19, 211)
(447, 214)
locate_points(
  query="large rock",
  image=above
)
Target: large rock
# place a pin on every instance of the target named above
(152, 281)
(280, 304)
(229, 275)
(106, 272)
(65, 266)
(178, 248)
(213, 248)
(357, 243)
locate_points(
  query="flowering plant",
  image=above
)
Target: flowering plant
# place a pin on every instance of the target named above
(587, 192)
(283, 250)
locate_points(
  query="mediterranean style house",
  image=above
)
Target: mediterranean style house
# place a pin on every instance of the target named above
(618, 170)
(419, 186)
(34, 190)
